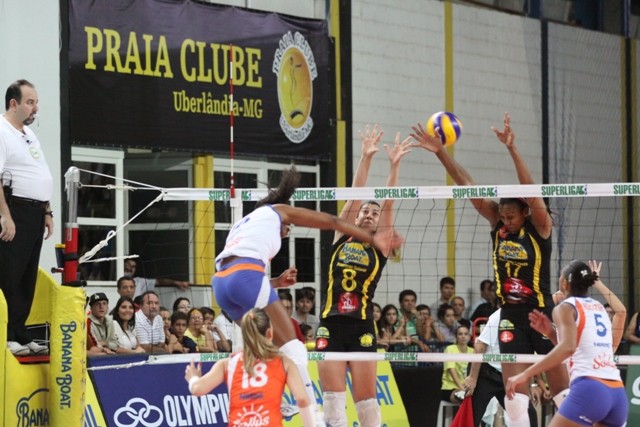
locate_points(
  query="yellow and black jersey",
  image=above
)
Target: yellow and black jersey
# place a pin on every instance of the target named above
(354, 271)
(521, 262)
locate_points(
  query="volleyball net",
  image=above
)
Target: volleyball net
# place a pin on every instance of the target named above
(176, 232)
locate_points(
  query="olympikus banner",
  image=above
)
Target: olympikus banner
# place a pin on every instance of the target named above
(155, 74)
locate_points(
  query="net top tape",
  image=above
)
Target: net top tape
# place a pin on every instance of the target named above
(359, 356)
(392, 193)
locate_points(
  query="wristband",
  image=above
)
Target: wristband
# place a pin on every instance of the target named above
(192, 381)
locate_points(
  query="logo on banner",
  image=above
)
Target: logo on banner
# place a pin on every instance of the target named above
(32, 410)
(138, 412)
(296, 69)
(176, 410)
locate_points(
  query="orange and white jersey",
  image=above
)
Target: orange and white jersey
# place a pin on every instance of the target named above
(594, 353)
(255, 401)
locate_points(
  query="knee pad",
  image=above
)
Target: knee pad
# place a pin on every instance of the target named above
(517, 410)
(560, 397)
(335, 408)
(369, 413)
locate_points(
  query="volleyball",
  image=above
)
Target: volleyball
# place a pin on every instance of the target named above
(449, 126)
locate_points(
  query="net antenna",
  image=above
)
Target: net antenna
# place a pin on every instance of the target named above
(232, 187)
(70, 265)
(234, 202)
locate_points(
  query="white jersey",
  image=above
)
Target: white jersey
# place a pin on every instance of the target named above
(257, 236)
(594, 354)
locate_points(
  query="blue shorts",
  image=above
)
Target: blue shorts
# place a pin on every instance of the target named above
(241, 285)
(593, 401)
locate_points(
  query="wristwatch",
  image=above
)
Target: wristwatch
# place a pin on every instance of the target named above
(50, 213)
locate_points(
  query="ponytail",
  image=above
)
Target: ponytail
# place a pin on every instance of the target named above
(287, 186)
(580, 277)
(257, 346)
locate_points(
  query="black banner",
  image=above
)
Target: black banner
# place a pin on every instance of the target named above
(155, 74)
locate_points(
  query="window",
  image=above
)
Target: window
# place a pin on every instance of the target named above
(161, 233)
(100, 210)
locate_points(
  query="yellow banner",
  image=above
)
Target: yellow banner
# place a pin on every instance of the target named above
(68, 357)
(391, 406)
(26, 401)
(93, 416)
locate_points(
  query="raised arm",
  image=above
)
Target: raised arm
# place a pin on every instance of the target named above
(540, 216)
(395, 153)
(384, 240)
(370, 138)
(620, 311)
(487, 208)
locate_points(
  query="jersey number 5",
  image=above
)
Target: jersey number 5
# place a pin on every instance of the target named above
(601, 329)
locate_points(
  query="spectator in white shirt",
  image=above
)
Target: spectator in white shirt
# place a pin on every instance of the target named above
(149, 325)
(124, 327)
(223, 329)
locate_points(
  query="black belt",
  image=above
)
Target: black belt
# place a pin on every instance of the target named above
(29, 202)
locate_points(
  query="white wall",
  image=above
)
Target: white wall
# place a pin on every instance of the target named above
(398, 79)
(29, 43)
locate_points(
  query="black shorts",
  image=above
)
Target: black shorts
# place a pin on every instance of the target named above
(342, 333)
(516, 336)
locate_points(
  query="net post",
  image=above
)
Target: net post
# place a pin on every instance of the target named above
(72, 184)
(67, 377)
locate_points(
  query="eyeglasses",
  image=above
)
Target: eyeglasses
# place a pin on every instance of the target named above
(197, 318)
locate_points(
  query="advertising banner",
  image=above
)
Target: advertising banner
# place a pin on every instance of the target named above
(156, 74)
(68, 356)
(27, 399)
(157, 395)
(632, 384)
